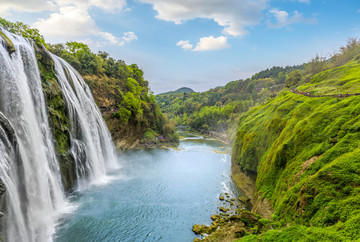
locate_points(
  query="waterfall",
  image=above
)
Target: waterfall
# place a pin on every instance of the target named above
(90, 139)
(29, 167)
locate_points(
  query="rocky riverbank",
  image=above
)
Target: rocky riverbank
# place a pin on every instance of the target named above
(233, 221)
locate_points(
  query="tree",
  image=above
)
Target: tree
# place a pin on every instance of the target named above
(293, 78)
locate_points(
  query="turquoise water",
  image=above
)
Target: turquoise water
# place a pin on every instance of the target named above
(157, 195)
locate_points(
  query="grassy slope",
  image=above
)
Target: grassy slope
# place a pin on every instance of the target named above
(307, 156)
(343, 79)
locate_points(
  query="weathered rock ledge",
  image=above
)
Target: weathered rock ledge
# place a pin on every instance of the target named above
(247, 185)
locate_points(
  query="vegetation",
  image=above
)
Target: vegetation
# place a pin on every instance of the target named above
(23, 30)
(178, 91)
(58, 117)
(304, 152)
(128, 105)
(218, 109)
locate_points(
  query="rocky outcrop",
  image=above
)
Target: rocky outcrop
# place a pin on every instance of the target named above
(247, 185)
(7, 42)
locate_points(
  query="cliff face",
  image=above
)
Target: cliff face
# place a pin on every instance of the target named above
(122, 94)
(58, 117)
(304, 153)
(130, 111)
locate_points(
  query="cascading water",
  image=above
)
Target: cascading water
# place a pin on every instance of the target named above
(36, 192)
(91, 142)
(29, 167)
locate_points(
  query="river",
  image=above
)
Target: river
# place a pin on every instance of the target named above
(156, 195)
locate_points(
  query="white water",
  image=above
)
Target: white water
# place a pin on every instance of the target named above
(90, 138)
(34, 191)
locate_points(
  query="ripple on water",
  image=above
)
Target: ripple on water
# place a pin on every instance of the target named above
(157, 195)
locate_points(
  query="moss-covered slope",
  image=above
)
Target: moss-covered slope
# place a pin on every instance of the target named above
(306, 155)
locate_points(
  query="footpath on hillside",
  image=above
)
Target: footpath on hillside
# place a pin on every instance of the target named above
(308, 94)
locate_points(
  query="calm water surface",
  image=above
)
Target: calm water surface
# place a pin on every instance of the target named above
(157, 195)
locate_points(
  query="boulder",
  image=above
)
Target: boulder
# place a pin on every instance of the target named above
(244, 199)
(222, 209)
(196, 229)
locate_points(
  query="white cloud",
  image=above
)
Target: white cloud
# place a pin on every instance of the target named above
(185, 44)
(233, 15)
(282, 18)
(211, 43)
(108, 5)
(126, 38)
(6, 6)
(129, 36)
(205, 44)
(69, 19)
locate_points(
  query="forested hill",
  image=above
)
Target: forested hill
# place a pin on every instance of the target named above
(179, 91)
(217, 110)
(127, 104)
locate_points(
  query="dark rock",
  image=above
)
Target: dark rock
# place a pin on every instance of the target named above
(244, 199)
(249, 216)
(223, 209)
(9, 131)
(8, 44)
(240, 233)
(196, 229)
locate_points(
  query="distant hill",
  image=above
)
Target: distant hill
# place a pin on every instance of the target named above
(178, 91)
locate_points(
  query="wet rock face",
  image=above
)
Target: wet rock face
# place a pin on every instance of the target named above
(58, 117)
(7, 137)
(7, 128)
(7, 42)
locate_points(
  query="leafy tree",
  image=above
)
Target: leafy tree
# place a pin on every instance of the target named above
(293, 78)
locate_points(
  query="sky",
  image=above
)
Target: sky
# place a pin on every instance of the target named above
(199, 44)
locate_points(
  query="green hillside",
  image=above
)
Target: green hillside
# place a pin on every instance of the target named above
(305, 154)
(181, 90)
(218, 109)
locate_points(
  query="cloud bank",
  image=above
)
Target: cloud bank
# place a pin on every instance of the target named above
(233, 15)
(69, 19)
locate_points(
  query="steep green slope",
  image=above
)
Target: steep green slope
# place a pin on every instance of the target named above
(340, 80)
(305, 152)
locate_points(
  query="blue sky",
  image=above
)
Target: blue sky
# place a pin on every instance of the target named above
(200, 43)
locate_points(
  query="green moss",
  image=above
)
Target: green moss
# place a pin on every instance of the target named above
(58, 117)
(277, 141)
(343, 79)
